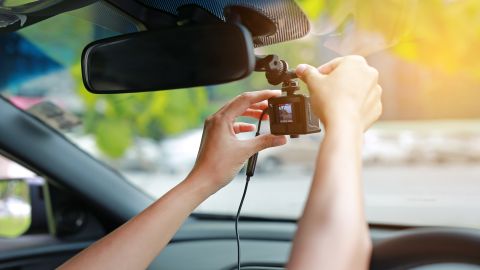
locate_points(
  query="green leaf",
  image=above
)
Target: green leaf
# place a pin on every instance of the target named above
(113, 136)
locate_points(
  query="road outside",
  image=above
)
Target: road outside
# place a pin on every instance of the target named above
(417, 195)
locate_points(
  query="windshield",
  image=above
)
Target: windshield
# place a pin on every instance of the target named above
(421, 160)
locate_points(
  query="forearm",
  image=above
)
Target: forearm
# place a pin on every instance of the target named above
(332, 232)
(136, 243)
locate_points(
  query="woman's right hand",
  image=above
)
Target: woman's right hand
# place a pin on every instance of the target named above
(344, 90)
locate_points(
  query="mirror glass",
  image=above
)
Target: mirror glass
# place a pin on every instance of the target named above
(179, 57)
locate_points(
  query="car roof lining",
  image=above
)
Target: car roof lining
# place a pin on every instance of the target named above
(288, 19)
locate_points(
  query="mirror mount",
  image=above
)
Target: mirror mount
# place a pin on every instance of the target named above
(257, 23)
(276, 70)
(192, 14)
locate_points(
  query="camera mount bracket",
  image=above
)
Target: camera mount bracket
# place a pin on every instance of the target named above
(276, 70)
(290, 87)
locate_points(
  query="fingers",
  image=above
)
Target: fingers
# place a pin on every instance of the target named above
(377, 106)
(373, 96)
(240, 127)
(256, 110)
(310, 75)
(262, 105)
(373, 115)
(372, 108)
(255, 114)
(241, 103)
(266, 141)
(327, 68)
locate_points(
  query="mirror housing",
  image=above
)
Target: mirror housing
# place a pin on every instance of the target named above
(178, 57)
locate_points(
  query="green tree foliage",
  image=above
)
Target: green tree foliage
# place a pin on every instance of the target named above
(62, 37)
(116, 120)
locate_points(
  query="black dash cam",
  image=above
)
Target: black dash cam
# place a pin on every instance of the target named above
(291, 114)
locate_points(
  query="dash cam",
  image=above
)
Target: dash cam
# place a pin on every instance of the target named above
(290, 114)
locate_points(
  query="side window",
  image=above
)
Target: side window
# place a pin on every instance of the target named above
(20, 189)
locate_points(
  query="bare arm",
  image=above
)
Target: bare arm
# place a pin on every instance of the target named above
(332, 232)
(135, 244)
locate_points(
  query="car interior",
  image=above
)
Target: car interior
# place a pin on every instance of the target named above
(78, 193)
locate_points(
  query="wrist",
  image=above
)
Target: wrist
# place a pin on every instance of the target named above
(344, 123)
(202, 181)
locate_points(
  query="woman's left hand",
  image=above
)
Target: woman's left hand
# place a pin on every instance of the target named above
(221, 154)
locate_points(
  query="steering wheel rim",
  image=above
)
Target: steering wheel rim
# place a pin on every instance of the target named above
(418, 247)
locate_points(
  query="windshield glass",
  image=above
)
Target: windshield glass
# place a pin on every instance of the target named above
(421, 160)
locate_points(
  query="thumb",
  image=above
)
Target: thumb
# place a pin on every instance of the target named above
(266, 141)
(308, 74)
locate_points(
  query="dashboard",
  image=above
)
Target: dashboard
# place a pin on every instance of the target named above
(208, 245)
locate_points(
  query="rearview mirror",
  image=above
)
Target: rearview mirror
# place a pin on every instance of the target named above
(178, 57)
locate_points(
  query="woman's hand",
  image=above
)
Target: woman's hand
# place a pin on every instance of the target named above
(345, 90)
(221, 154)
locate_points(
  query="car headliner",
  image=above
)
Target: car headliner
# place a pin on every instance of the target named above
(288, 19)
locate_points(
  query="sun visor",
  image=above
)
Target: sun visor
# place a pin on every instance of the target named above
(288, 19)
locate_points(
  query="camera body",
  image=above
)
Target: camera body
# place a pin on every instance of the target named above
(292, 114)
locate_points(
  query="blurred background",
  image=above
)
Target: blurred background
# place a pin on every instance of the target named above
(421, 160)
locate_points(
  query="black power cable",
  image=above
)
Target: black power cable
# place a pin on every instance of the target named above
(237, 219)
(252, 162)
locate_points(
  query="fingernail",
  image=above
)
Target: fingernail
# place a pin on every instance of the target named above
(279, 140)
(300, 69)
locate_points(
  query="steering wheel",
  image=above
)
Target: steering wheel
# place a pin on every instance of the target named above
(418, 247)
